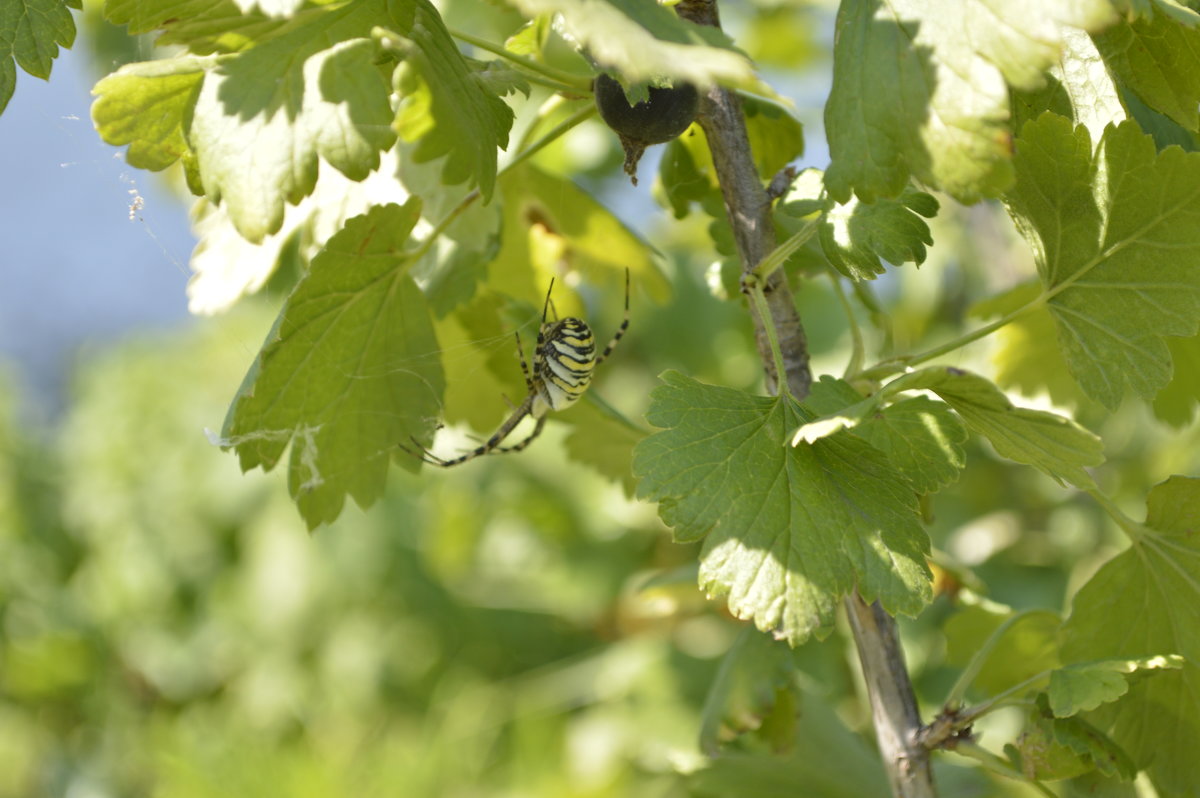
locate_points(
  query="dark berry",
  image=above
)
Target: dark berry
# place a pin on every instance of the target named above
(663, 116)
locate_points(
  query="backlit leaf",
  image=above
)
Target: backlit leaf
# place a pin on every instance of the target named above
(645, 41)
(1146, 601)
(1117, 241)
(1086, 685)
(351, 370)
(920, 90)
(1051, 443)
(1158, 59)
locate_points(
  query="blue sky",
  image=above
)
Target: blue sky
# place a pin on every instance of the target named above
(75, 271)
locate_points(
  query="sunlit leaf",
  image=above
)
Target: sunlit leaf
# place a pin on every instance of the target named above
(857, 237)
(1159, 59)
(787, 530)
(1086, 685)
(644, 41)
(1146, 601)
(1051, 443)
(921, 91)
(351, 369)
(145, 105)
(549, 212)
(1117, 241)
(920, 437)
(227, 267)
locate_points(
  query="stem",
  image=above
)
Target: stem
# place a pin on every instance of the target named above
(1000, 766)
(950, 722)
(1001, 699)
(893, 705)
(1130, 527)
(557, 77)
(955, 697)
(764, 314)
(893, 365)
(857, 349)
(781, 253)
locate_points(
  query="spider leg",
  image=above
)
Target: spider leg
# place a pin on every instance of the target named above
(546, 304)
(524, 365)
(492, 443)
(616, 339)
(537, 430)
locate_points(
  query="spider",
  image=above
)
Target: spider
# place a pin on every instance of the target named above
(563, 361)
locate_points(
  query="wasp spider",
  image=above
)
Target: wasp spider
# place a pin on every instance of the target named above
(563, 361)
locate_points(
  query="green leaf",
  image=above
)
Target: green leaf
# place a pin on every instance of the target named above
(1053, 748)
(142, 17)
(645, 41)
(776, 137)
(1051, 443)
(1027, 648)
(145, 105)
(203, 27)
(1086, 685)
(603, 442)
(546, 211)
(1100, 227)
(788, 531)
(1176, 403)
(1159, 60)
(1079, 87)
(350, 370)
(263, 117)
(920, 90)
(856, 236)
(920, 437)
(1026, 357)
(228, 267)
(745, 688)
(447, 107)
(828, 761)
(1146, 601)
(1146, 9)
(30, 34)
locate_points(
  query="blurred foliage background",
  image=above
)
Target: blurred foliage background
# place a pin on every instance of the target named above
(515, 627)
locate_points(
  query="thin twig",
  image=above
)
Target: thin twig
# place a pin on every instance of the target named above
(565, 80)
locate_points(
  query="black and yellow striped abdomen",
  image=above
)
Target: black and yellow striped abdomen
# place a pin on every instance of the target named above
(562, 364)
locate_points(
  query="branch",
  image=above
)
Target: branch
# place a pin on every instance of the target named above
(749, 211)
(748, 206)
